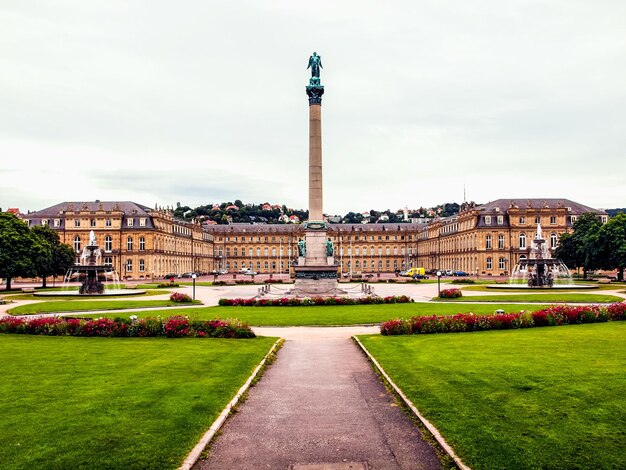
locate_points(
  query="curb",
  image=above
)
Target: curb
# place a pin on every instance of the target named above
(431, 428)
(194, 455)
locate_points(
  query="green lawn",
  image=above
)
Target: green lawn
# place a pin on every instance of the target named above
(85, 305)
(331, 315)
(148, 293)
(533, 398)
(114, 403)
(539, 297)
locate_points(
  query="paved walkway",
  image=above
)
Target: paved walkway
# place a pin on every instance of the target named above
(319, 403)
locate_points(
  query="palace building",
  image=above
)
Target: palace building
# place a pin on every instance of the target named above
(139, 242)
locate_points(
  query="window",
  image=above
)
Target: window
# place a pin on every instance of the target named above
(57, 222)
(142, 243)
(258, 253)
(76, 243)
(604, 219)
(522, 241)
(129, 265)
(108, 261)
(537, 220)
(501, 262)
(108, 243)
(44, 221)
(265, 251)
(142, 222)
(107, 223)
(500, 242)
(387, 251)
(500, 219)
(553, 240)
(489, 263)
(488, 242)
(487, 220)
(522, 220)
(356, 251)
(76, 222)
(130, 222)
(553, 219)
(129, 243)
(235, 251)
(92, 222)
(142, 265)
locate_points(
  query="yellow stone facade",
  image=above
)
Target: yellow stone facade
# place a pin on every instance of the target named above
(142, 243)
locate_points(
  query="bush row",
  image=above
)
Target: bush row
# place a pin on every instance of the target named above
(172, 327)
(462, 322)
(307, 301)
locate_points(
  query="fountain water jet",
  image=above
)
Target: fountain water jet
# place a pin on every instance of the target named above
(96, 279)
(540, 270)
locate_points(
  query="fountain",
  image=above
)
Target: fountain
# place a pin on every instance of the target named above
(96, 279)
(540, 270)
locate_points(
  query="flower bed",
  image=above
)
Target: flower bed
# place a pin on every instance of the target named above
(462, 322)
(450, 294)
(312, 301)
(172, 327)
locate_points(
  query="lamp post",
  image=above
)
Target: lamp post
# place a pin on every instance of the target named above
(193, 277)
(438, 283)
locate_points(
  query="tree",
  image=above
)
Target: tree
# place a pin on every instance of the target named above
(582, 247)
(50, 256)
(16, 244)
(613, 244)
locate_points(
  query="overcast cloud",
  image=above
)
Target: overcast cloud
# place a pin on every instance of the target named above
(197, 102)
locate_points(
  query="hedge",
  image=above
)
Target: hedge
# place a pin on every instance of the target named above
(464, 322)
(307, 301)
(172, 327)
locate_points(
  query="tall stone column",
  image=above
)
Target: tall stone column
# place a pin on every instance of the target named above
(315, 160)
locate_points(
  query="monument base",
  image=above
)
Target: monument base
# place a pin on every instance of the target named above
(316, 281)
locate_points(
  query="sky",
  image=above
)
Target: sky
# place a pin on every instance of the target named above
(426, 102)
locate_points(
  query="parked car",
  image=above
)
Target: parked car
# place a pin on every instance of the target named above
(419, 276)
(249, 272)
(187, 275)
(170, 276)
(459, 273)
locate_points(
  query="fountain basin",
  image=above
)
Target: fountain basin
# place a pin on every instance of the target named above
(542, 288)
(76, 293)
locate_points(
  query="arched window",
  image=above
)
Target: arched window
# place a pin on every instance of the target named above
(129, 265)
(489, 263)
(500, 242)
(357, 264)
(77, 243)
(265, 251)
(108, 243)
(142, 265)
(522, 241)
(142, 243)
(488, 242)
(553, 240)
(129, 243)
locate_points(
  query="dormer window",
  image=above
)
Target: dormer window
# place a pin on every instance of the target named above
(500, 219)
(142, 222)
(487, 220)
(130, 222)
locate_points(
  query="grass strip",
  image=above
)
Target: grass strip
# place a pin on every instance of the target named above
(537, 398)
(86, 305)
(334, 315)
(115, 403)
(543, 298)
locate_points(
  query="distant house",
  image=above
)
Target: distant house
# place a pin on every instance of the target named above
(232, 207)
(366, 217)
(383, 218)
(294, 219)
(284, 218)
(266, 207)
(16, 212)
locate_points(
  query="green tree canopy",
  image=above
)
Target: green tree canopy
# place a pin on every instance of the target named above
(16, 248)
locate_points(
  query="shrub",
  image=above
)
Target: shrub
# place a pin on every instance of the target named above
(168, 284)
(306, 301)
(180, 297)
(617, 311)
(395, 327)
(172, 327)
(464, 281)
(450, 294)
